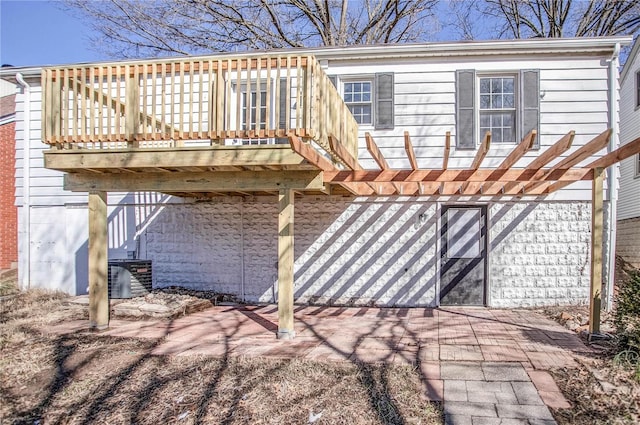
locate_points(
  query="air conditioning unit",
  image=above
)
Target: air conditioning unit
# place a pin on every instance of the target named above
(129, 278)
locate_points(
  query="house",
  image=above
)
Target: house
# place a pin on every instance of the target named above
(8, 210)
(628, 234)
(468, 173)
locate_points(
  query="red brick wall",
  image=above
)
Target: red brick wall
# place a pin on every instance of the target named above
(8, 211)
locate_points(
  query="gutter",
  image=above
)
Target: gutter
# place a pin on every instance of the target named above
(612, 174)
(26, 177)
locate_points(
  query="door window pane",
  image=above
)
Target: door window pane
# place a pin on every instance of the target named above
(463, 233)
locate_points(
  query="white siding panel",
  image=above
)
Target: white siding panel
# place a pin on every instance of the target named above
(629, 199)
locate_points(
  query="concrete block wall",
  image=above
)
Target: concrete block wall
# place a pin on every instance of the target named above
(628, 240)
(368, 252)
(540, 253)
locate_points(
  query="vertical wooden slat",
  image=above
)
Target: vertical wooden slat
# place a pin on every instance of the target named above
(287, 100)
(597, 215)
(247, 100)
(211, 99)
(48, 111)
(285, 264)
(299, 90)
(220, 97)
(109, 110)
(98, 246)
(154, 103)
(65, 105)
(276, 103)
(75, 106)
(238, 95)
(307, 97)
(142, 78)
(172, 101)
(226, 97)
(92, 104)
(163, 104)
(84, 130)
(200, 96)
(56, 107)
(258, 96)
(116, 129)
(268, 126)
(181, 89)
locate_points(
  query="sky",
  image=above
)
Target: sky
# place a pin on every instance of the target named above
(38, 32)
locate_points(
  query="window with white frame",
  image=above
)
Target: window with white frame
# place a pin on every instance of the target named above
(359, 99)
(497, 111)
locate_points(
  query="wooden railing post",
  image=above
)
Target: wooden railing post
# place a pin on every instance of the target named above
(285, 265)
(132, 105)
(595, 294)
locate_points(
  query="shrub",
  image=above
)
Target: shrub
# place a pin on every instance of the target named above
(627, 314)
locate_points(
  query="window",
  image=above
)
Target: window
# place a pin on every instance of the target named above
(507, 105)
(497, 109)
(638, 165)
(257, 119)
(359, 100)
(637, 89)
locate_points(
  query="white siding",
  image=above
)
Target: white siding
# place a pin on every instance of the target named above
(574, 96)
(629, 202)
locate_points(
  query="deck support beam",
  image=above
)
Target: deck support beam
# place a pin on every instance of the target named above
(595, 295)
(285, 264)
(98, 240)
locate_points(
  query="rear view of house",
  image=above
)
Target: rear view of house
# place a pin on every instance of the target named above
(409, 175)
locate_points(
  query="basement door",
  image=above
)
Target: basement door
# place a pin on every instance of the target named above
(463, 261)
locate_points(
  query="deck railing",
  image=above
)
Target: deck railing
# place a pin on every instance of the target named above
(250, 99)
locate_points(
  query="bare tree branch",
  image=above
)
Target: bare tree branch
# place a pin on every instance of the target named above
(135, 28)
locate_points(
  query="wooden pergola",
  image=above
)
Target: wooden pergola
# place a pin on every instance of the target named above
(132, 142)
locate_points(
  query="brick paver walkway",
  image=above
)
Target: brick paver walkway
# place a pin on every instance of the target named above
(488, 366)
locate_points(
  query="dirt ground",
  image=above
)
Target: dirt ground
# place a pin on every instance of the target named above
(51, 379)
(48, 379)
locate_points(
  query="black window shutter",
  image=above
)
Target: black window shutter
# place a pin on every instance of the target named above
(530, 104)
(465, 113)
(384, 101)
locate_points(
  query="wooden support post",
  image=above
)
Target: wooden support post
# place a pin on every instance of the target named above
(595, 298)
(285, 265)
(98, 287)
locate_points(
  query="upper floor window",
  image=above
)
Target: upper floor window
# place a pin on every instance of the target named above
(358, 98)
(497, 109)
(507, 105)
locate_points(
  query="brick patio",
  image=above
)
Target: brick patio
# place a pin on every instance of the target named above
(491, 362)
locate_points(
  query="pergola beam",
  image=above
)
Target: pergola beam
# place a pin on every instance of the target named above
(310, 154)
(557, 149)
(408, 147)
(447, 150)
(375, 152)
(483, 149)
(617, 155)
(452, 175)
(518, 152)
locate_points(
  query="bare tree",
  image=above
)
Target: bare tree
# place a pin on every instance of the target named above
(135, 28)
(565, 18)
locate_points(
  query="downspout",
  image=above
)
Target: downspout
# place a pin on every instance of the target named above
(26, 177)
(612, 173)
